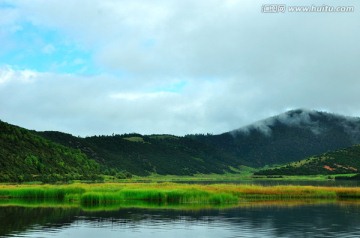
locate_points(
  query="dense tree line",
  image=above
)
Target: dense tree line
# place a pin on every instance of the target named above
(25, 156)
(142, 155)
(342, 161)
(49, 156)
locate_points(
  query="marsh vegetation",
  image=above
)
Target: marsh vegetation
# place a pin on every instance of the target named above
(167, 194)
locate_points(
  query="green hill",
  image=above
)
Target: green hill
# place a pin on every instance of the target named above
(337, 162)
(25, 156)
(288, 137)
(142, 155)
(284, 138)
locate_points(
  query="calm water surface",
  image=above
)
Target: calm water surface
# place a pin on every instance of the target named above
(265, 220)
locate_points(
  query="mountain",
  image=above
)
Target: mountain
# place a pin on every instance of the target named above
(145, 154)
(288, 137)
(337, 162)
(26, 156)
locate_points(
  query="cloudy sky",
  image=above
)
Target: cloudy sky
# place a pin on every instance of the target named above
(91, 67)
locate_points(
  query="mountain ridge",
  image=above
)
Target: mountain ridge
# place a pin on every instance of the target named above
(287, 137)
(26, 156)
(341, 161)
(290, 136)
(301, 117)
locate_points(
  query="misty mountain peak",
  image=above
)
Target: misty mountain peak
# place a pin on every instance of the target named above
(315, 121)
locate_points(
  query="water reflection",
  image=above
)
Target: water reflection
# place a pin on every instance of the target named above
(250, 220)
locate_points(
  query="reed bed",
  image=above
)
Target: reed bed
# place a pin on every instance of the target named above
(38, 192)
(172, 193)
(157, 196)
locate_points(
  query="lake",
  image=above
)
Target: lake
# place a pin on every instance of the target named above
(260, 219)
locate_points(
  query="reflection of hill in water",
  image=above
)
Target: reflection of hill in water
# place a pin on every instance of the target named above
(15, 219)
(283, 220)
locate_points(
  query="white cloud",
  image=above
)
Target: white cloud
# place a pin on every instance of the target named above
(239, 65)
(8, 74)
(205, 38)
(140, 96)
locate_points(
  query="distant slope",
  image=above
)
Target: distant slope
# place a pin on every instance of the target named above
(338, 162)
(288, 137)
(25, 156)
(142, 155)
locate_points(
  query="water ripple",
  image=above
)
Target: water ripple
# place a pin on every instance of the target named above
(331, 220)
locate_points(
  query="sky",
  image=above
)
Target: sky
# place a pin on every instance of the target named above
(97, 67)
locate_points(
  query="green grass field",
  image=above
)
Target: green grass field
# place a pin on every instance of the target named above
(92, 195)
(246, 175)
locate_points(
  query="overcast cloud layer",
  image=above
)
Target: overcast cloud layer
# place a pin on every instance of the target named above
(166, 66)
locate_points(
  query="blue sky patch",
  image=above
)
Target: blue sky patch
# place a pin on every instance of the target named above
(45, 50)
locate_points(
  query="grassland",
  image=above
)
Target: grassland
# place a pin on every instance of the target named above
(93, 196)
(246, 174)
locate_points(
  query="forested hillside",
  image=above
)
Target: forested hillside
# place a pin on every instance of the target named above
(142, 155)
(337, 162)
(288, 137)
(25, 156)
